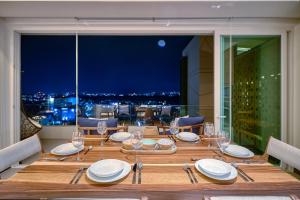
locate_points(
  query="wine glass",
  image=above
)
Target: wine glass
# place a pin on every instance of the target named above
(78, 142)
(174, 128)
(101, 129)
(137, 141)
(209, 130)
(223, 140)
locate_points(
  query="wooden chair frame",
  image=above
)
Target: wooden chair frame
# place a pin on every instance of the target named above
(183, 128)
(89, 129)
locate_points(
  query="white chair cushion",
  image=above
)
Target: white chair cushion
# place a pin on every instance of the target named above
(19, 151)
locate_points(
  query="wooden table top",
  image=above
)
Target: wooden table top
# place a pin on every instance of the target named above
(163, 176)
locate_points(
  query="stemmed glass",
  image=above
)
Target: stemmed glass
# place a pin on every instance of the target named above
(209, 130)
(223, 140)
(174, 128)
(137, 141)
(78, 142)
(101, 129)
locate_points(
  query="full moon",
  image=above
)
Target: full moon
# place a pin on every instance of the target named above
(161, 43)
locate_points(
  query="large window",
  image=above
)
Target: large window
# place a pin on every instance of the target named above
(139, 71)
(48, 78)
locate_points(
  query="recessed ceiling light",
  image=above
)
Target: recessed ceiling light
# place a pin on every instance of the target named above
(216, 6)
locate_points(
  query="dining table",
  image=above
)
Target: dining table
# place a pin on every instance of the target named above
(163, 176)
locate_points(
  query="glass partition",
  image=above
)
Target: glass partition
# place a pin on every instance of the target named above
(251, 89)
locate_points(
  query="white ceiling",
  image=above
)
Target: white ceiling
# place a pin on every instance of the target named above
(149, 9)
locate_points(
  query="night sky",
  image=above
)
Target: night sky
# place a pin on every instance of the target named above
(114, 64)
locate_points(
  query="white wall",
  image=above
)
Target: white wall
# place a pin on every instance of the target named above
(294, 135)
(6, 71)
(192, 51)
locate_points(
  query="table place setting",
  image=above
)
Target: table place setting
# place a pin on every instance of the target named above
(120, 136)
(66, 149)
(108, 171)
(216, 169)
(188, 137)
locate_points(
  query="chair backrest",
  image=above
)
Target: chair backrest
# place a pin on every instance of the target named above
(123, 109)
(19, 151)
(288, 154)
(195, 122)
(93, 123)
(166, 110)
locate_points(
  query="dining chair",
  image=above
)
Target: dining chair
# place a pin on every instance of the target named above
(286, 153)
(253, 197)
(190, 124)
(89, 125)
(17, 153)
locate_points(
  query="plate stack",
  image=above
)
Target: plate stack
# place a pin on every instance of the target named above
(108, 171)
(120, 136)
(238, 151)
(216, 169)
(66, 149)
(188, 136)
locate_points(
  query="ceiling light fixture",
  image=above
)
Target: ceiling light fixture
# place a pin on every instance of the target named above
(216, 6)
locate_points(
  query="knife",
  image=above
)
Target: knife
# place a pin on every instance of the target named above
(134, 173)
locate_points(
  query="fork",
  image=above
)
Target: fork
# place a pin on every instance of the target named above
(192, 173)
(188, 173)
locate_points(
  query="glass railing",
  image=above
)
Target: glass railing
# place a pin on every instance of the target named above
(62, 111)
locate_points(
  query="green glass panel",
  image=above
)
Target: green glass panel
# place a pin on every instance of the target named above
(255, 109)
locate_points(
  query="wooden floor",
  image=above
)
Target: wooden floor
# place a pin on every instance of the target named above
(163, 176)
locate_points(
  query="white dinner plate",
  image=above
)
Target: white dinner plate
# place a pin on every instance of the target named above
(66, 149)
(107, 167)
(232, 175)
(188, 136)
(110, 179)
(214, 167)
(238, 151)
(120, 136)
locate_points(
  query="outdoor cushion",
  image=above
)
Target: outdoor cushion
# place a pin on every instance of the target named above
(123, 109)
(190, 121)
(87, 122)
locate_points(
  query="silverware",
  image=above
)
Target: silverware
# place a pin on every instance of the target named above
(134, 173)
(220, 155)
(86, 151)
(245, 176)
(195, 159)
(140, 167)
(82, 169)
(172, 138)
(107, 138)
(192, 173)
(188, 173)
(55, 159)
(249, 161)
(71, 182)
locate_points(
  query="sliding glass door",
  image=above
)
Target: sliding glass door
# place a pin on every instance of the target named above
(251, 89)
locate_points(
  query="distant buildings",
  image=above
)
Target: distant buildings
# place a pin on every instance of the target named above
(59, 109)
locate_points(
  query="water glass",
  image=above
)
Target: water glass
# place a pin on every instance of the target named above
(174, 129)
(78, 142)
(223, 140)
(101, 129)
(209, 130)
(137, 141)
